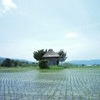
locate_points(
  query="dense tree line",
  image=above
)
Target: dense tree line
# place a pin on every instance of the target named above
(14, 63)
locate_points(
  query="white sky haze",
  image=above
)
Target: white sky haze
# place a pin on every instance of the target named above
(29, 25)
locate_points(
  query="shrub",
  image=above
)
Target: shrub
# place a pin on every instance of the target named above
(7, 62)
(43, 64)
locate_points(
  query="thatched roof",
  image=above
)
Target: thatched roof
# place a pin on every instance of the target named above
(50, 53)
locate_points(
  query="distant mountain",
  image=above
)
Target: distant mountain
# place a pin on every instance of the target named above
(22, 60)
(2, 59)
(86, 62)
(77, 62)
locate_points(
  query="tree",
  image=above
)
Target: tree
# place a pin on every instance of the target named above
(62, 55)
(15, 63)
(39, 54)
(7, 62)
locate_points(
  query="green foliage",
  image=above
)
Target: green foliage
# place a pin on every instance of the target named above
(43, 64)
(7, 62)
(35, 64)
(14, 63)
(62, 55)
(39, 54)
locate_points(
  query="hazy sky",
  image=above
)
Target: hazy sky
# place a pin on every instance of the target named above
(29, 25)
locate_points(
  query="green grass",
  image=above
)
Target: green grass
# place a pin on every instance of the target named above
(16, 69)
(51, 68)
(20, 69)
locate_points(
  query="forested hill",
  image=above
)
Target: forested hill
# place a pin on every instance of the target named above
(22, 60)
(86, 62)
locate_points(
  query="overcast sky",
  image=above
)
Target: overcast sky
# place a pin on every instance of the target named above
(29, 25)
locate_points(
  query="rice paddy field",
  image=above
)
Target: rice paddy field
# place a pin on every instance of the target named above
(64, 84)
